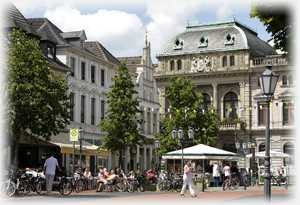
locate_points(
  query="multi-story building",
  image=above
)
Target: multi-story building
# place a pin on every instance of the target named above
(88, 79)
(224, 60)
(143, 156)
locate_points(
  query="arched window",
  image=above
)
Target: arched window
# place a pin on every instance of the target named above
(230, 146)
(225, 61)
(284, 80)
(179, 63)
(232, 60)
(206, 104)
(291, 82)
(289, 148)
(230, 105)
(172, 65)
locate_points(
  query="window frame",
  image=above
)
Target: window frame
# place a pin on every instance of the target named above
(82, 109)
(284, 80)
(231, 100)
(93, 104)
(72, 65)
(102, 109)
(102, 77)
(225, 61)
(288, 107)
(232, 61)
(179, 65)
(82, 71)
(93, 70)
(72, 110)
(172, 65)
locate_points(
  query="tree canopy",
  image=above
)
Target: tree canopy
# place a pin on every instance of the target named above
(185, 112)
(120, 124)
(35, 99)
(277, 17)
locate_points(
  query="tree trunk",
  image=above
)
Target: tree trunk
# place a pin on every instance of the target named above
(121, 162)
(16, 157)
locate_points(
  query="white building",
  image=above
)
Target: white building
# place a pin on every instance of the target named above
(143, 157)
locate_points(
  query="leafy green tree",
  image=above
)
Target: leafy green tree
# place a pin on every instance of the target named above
(276, 16)
(185, 112)
(35, 99)
(120, 124)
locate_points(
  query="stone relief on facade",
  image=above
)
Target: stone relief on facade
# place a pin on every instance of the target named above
(201, 64)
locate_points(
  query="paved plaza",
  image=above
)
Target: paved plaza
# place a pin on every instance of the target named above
(213, 195)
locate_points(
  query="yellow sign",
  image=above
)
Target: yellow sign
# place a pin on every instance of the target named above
(74, 135)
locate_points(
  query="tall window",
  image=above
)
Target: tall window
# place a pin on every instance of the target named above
(232, 60)
(261, 148)
(230, 105)
(288, 113)
(172, 64)
(262, 115)
(72, 100)
(82, 71)
(82, 110)
(93, 111)
(72, 66)
(92, 74)
(102, 110)
(291, 82)
(50, 52)
(102, 77)
(289, 148)
(284, 80)
(179, 63)
(225, 61)
(206, 104)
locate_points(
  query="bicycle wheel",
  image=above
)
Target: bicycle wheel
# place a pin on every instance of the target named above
(286, 182)
(7, 188)
(167, 185)
(79, 185)
(65, 187)
(236, 184)
(161, 186)
(227, 184)
(177, 186)
(130, 187)
(21, 188)
(143, 187)
(41, 187)
(121, 187)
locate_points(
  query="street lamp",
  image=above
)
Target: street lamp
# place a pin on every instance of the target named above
(246, 147)
(81, 136)
(181, 143)
(268, 81)
(157, 146)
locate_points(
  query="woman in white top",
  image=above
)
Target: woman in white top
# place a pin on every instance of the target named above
(187, 179)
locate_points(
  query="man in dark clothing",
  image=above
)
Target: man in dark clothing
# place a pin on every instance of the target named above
(208, 168)
(234, 169)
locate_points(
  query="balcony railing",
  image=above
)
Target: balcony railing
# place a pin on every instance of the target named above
(274, 61)
(232, 125)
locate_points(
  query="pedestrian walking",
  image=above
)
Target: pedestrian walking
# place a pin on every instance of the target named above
(49, 169)
(216, 174)
(187, 179)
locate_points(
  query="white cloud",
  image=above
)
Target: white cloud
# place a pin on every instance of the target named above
(223, 12)
(119, 32)
(168, 19)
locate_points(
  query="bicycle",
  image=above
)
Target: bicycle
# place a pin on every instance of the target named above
(8, 187)
(140, 185)
(231, 181)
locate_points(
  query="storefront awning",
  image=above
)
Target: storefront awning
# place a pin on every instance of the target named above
(66, 146)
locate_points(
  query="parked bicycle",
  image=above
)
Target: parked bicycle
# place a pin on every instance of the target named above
(232, 181)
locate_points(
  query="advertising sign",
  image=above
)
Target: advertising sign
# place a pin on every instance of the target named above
(74, 135)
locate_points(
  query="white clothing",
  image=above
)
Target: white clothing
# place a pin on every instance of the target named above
(216, 172)
(187, 180)
(199, 168)
(227, 171)
(51, 164)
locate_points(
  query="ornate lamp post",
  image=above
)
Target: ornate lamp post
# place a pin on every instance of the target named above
(81, 136)
(246, 147)
(268, 81)
(181, 143)
(157, 146)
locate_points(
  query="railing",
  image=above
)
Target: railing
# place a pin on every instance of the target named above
(274, 61)
(232, 125)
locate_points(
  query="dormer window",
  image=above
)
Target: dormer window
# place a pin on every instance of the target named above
(203, 42)
(178, 43)
(229, 39)
(50, 52)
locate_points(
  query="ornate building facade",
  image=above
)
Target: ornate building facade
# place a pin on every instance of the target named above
(224, 60)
